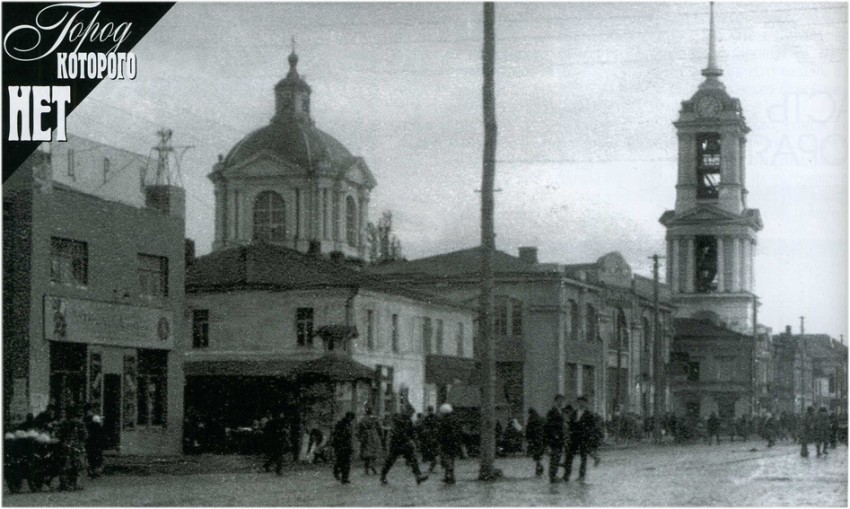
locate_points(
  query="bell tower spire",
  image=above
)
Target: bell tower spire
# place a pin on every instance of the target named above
(292, 93)
(712, 71)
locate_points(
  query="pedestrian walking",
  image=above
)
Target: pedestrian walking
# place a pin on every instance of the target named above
(582, 432)
(94, 442)
(369, 435)
(343, 445)
(71, 433)
(276, 438)
(769, 430)
(402, 436)
(713, 428)
(450, 438)
(821, 432)
(426, 433)
(595, 439)
(553, 431)
(833, 429)
(806, 433)
(534, 440)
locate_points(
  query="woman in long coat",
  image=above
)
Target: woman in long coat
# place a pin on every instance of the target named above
(369, 435)
(535, 444)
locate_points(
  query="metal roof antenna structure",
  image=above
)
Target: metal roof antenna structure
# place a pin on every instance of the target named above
(165, 152)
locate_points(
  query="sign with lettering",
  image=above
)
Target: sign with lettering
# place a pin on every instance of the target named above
(107, 323)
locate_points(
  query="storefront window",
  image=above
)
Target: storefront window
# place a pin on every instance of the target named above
(67, 374)
(153, 368)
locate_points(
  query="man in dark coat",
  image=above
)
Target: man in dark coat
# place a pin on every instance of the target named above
(553, 431)
(427, 430)
(534, 440)
(401, 444)
(450, 438)
(342, 440)
(94, 441)
(821, 425)
(582, 434)
(713, 428)
(277, 441)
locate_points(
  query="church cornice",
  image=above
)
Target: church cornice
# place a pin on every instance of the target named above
(710, 215)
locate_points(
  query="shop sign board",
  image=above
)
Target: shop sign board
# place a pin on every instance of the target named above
(107, 323)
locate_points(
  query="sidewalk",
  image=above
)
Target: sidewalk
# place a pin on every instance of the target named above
(191, 464)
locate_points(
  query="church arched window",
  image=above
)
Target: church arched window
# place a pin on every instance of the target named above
(269, 217)
(708, 165)
(351, 221)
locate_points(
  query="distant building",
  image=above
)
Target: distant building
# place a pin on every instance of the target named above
(711, 239)
(263, 317)
(93, 300)
(569, 329)
(810, 370)
(291, 184)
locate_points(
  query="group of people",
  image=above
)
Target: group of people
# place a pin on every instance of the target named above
(436, 436)
(79, 435)
(566, 432)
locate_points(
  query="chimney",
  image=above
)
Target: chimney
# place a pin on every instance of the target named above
(788, 330)
(528, 255)
(802, 325)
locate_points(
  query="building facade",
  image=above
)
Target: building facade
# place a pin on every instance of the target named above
(260, 313)
(93, 300)
(560, 329)
(291, 184)
(711, 239)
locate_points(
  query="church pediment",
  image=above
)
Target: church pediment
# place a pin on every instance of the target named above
(265, 163)
(358, 173)
(702, 214)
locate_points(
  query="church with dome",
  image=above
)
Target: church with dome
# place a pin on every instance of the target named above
(291, 184)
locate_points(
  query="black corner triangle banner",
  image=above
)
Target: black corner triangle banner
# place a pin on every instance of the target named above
(49, 53)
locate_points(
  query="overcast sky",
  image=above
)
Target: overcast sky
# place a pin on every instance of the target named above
(586, 95)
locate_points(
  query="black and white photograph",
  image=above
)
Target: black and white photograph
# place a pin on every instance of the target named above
(425, 254)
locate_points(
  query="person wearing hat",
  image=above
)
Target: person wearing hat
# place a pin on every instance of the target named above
(553, 430)
(401, 444)
(343, 445)
(450, 437)
(369, 435)
(582, 436)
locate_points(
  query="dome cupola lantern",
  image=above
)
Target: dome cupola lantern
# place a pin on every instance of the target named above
(292, 93)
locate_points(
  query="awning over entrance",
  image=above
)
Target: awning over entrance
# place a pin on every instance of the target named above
(335, 367)
(254, 367)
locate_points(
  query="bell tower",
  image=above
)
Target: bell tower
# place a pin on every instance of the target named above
(711, 234)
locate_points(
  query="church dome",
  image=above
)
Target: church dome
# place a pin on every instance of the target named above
(293, 141)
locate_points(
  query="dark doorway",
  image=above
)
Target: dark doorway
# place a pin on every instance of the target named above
(111, 411)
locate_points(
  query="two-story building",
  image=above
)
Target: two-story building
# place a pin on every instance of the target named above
(93, 305)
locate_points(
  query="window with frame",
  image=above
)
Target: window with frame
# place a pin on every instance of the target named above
(153, 275)
(516, 318)
(500, 316)
(394, 336)
(591, 324)
(69, 261)
(200, 328)
(269, 217)
(693, 371)
(459, 338)
(588, 378)
(706, 264)
(152, 387)
(304, 326)
(708, 165)
(427, 333)
(351, 232)
(575, 320)
(439, 349)
(370, 329)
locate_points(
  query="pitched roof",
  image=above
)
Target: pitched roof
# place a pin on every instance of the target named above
(266, 266)
(465, 261)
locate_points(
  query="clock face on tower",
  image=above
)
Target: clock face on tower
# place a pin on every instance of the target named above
(708, 106)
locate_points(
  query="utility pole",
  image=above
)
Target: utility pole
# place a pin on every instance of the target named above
(487, 470)
(802, 325)
(657, 358)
